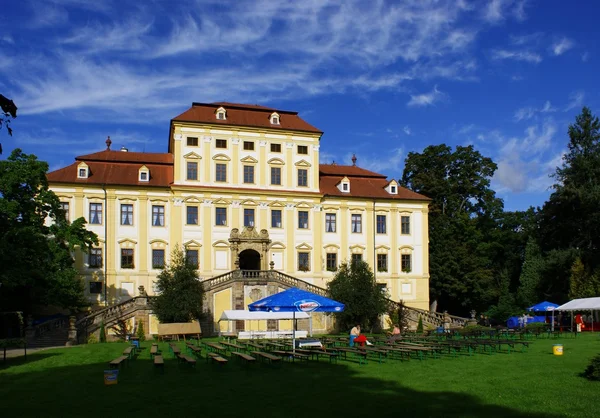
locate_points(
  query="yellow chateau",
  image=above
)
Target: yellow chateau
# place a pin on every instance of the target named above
(241, 187)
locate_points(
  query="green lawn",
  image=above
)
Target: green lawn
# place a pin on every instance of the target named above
(69, 382)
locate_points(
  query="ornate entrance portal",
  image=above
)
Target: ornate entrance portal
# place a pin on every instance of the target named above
(249, 260)
(249, 249)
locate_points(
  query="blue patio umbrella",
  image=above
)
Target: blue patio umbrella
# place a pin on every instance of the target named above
(296, 300)
(543, 307)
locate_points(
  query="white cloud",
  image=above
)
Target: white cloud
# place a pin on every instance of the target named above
(529, 112)
(407, 130)
(426, 99)
(562, 46)
(517, 55)
(498, 10)
(7, 39)
(48, 15)
(575, 100)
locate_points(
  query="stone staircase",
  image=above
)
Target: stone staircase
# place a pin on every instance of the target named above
(53, 333)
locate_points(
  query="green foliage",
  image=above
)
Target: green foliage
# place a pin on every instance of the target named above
(420, 325)
(592, 371)
(180, 291)
(45, 273)
(398, 315)
(582, 283)
(141, 334)
(534, 326)
(506, 306)
(528, 293)
(102, 333)
(354, 285)
(91, 339)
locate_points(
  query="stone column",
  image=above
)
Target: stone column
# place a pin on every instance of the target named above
(72, 339)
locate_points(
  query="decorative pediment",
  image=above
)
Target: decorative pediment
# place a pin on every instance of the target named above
(302, 163)
(159, 200)
(406, 249)
(331, 246)
(303, 246)
(356, 210)
(405, 213)
(330, 209)
(249, 202)
(192, 244)
(277, 246)
(249, 160)
(221, 157)
(127, 242)
(192, 156)
(356, 248)
(344, 185)
(392, 187)
(158, 244)
(304, 205)
(126, 200)
(277, 204)
(192, 199)
(220, 244)
(276, 161)
(220, 201)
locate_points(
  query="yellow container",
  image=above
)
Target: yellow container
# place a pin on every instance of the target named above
(557, 349)
(110, 377)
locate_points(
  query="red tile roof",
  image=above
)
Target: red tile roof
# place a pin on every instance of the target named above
(245, 115)
(118, 168)
(364, 184)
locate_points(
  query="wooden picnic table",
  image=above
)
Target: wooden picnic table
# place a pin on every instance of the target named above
(232, 345)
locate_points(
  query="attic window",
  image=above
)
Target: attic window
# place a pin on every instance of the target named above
(144, 174)
(274, 118)
(83, 171)
(345, 187)
(221, 114)
(393, 190)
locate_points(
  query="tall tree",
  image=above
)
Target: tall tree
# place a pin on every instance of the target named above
(355, 286)
(570, 221)
(180, 291)
(8, 112)
(583, 284)
(463, 211)
(531, 275)
(36, 241)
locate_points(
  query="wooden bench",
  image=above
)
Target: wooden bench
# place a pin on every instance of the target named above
(194, 349)
(175, 350)
(154, 350)
(187, 360)
(266, 356)
(114, 364)
(362, 355)
(159, 362)
(128, 352)
(290, 355)
(244, 356)
(216, 358)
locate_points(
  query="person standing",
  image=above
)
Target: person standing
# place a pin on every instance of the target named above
(579, 322)
(354, 332)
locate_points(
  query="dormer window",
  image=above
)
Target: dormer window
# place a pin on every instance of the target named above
(274, 118)
(392, 187)
(344, 185)
(144, 174)
(83, 171)
(221, 114)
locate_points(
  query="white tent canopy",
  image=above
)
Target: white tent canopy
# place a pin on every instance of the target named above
(242, 315)
(587, 304)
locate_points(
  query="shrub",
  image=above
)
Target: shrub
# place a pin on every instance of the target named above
(420, 325)
(592, 372)
(102, 333)
(141, 334)
(122, 330)
(91, 339)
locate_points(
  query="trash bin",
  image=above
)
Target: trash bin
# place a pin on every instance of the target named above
(136, 343)
(557, 349)
(111, 376)
(439, 330)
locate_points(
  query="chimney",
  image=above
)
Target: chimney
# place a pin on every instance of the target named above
(123, 149)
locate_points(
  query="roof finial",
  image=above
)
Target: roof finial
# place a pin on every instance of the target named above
(354, 159)
(108, 142)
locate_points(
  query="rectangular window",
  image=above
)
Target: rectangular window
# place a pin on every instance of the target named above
(405, 225)
(192, 215)
(276, 218)
(82, 173)
(275, 147)
(221, 216)
(302, 177)
(303, 219)
(332, 262)
(221, 172)
(276, 176)
(126, 258)
(248, 217)
(356, 258)
(95, 258)
(248, 146)
(192, 141)
(191, 258)
(126, 214)
(330, 225)
(95, 288)
(381, 224)
(158, 215)
(96, 213)
(405, 263)
(303, 149)
(382, 264)
(356, 224)
(65, 207)
(144, 176)
(192, 171)
(221, 143)
(303, 261)
(158, 259)
(248, 174)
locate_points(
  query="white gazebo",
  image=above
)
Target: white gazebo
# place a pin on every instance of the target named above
(585, 304)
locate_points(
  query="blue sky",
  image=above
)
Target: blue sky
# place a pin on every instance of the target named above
(380, 78)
